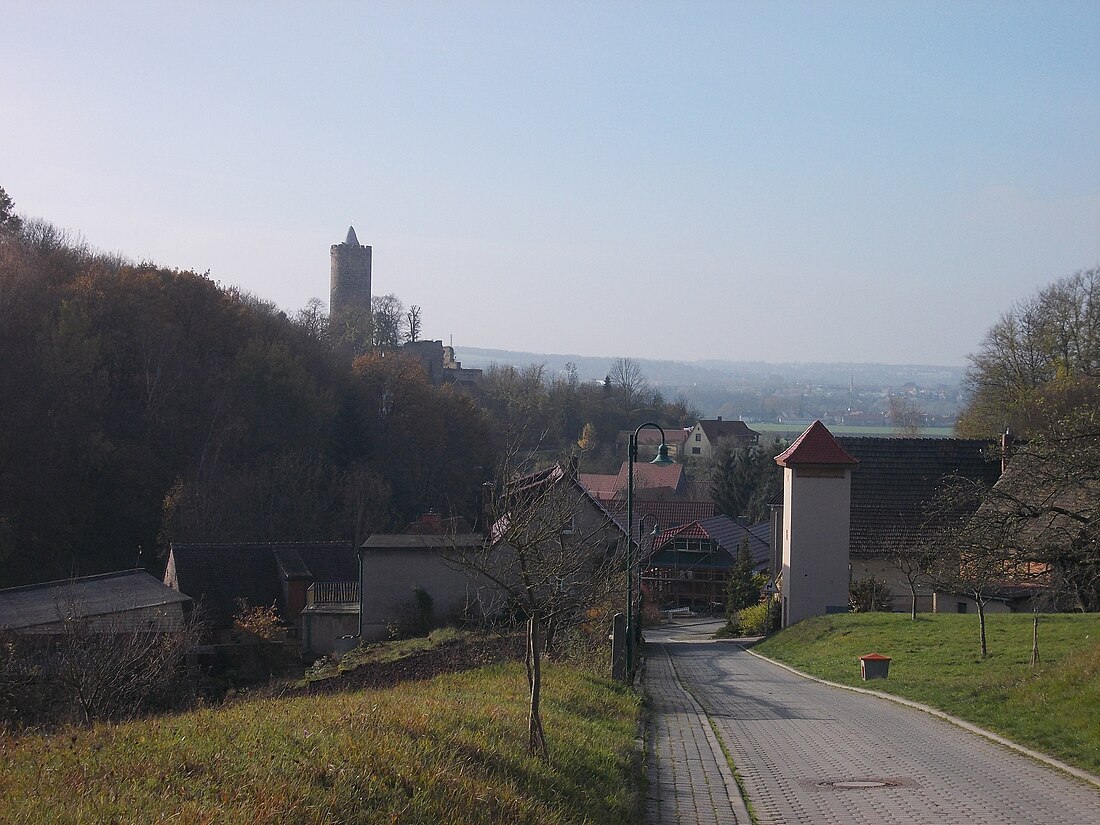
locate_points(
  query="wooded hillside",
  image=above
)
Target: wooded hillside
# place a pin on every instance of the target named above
(142, 404)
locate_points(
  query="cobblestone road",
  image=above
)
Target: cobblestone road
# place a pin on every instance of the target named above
(795, 741)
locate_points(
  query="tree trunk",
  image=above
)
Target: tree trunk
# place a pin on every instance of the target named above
(536, 738)
(1035, 641)
(981, 625)
(913, 603)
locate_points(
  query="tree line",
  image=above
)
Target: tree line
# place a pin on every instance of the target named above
(144, 405)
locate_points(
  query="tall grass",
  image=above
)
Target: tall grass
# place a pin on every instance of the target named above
(1054, 707)
(452, 749)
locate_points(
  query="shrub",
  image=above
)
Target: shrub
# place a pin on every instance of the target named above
(870, 595)
(760, 618)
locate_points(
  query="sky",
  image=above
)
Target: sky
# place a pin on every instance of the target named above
(775, 181)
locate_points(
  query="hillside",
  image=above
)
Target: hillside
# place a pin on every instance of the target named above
(431, 751)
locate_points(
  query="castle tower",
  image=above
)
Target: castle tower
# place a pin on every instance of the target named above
(349, 289)
(817, 504)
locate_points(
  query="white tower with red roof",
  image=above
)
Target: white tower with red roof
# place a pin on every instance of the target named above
(817, 501)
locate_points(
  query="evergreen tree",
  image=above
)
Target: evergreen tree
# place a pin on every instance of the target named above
(741, 588)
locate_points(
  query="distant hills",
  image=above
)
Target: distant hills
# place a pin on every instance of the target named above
(718, 371)
(720, 387)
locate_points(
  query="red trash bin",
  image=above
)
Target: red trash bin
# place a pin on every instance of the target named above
(874, 666)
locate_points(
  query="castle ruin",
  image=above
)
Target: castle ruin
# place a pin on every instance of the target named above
(349, 286)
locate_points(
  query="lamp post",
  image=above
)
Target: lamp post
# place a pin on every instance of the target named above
(661, 460)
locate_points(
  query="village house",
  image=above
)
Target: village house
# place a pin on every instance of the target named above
(130, 601)
(226, 578)
(689, 565)
(710, 436)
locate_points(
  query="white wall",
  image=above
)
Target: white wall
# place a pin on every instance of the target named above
(816, 516)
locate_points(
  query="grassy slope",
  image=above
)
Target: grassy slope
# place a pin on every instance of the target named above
(451, 749)
(1054, 708)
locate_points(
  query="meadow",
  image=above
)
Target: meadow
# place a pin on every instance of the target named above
(450, 749)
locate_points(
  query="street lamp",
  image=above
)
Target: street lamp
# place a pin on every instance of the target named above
(661, 460)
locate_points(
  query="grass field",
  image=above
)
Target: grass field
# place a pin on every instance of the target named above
(796, 430)
(1054, 708)
(451, 749)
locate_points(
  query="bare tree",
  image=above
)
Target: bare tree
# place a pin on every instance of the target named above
(905, 415)
(551, 556)
(388, 312)
(412, 324)
(85, 672)
(976, 548)
(312, 319)
(911, 555)
(627, 379)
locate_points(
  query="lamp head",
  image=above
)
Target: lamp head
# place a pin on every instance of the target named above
(662, 459)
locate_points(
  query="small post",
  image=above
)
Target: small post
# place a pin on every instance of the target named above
(1035, 640)
(618, 648)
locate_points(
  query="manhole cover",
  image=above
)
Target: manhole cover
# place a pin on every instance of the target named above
(859, 784)
(867, 783)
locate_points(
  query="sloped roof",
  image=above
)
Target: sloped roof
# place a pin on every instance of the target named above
(351, 240)
(715, 429)
(726, 533)
(421, 541)
(539, 482)
(216, 575)
(108, 593)
(669, 514)
(815, 446)
(1048, 506)
(646, 477)
(897, 478)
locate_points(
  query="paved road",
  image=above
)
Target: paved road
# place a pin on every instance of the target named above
(793, 740)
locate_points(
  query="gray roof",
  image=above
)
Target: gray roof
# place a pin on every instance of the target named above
(51, 602)
(351, 240)
(405, 541)
(217, 575)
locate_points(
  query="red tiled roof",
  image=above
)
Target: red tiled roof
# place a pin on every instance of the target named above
(815, 446)
(668, 513)
(646, 477)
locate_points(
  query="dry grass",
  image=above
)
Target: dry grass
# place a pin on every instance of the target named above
(447, 750)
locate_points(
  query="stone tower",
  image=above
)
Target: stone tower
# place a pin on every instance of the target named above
(349, 289)
(817, 504)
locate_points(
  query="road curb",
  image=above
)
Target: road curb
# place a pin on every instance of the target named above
(1084, 776)
(733, 790)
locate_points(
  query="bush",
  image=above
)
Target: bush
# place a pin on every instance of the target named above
(759, 619)
(870, 595)
(80, 675)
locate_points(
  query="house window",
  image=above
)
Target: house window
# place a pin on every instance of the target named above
(698, 437)
(960, 607)
(695, 451)
(570, 526)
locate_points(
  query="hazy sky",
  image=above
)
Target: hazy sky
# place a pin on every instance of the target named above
(774, 181)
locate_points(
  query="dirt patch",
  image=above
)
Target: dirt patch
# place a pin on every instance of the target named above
(452, 657)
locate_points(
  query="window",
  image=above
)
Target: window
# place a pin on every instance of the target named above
(569, 526)
(695, 451)
(698, 437)
(960, 607)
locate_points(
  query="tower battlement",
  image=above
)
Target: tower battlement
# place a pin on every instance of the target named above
(350, 277)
